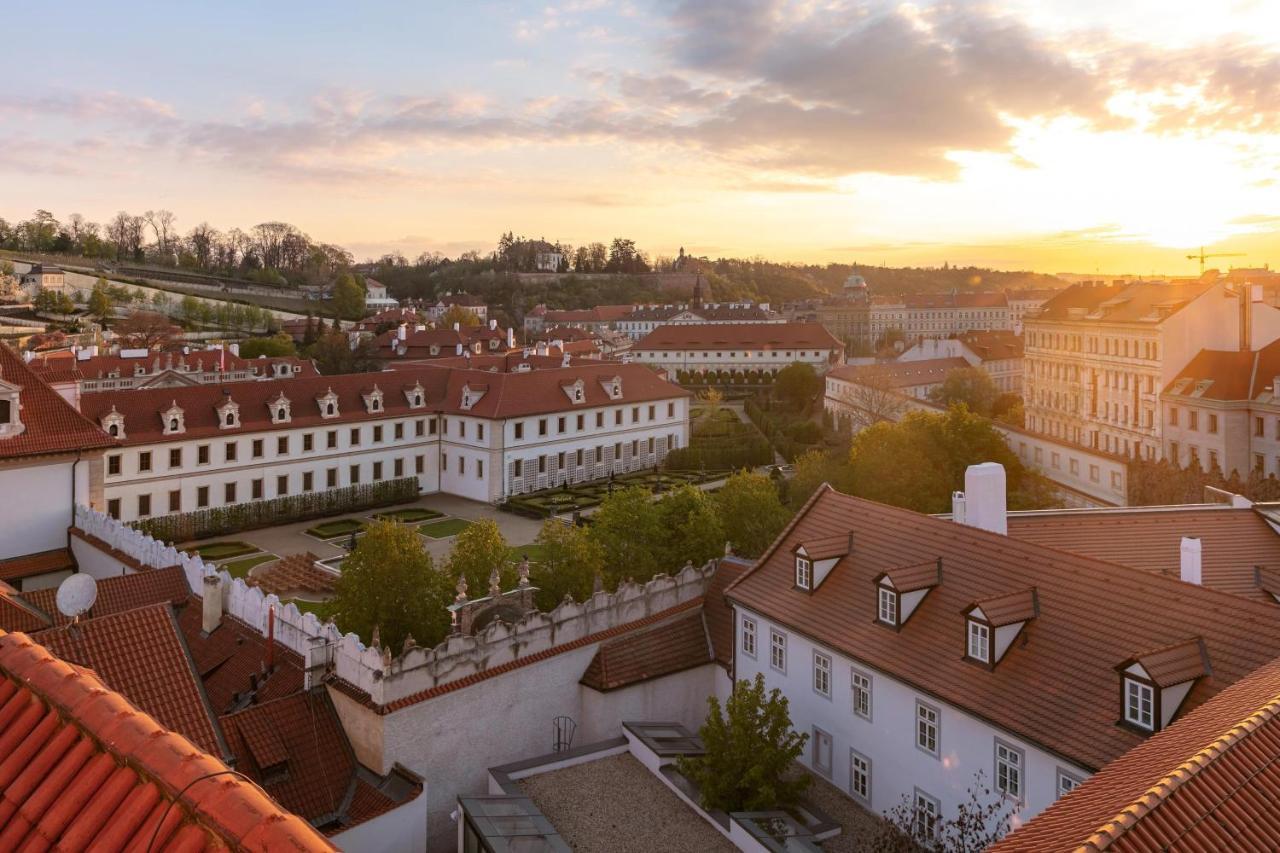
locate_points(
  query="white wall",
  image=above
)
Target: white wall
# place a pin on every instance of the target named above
(38, 503)
(966, 743)
(680, 697)
(402, 829)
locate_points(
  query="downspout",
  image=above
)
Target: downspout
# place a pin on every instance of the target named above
(79, 454)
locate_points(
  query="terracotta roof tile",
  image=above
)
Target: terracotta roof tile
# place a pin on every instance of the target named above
(770, 336)
(718, 611)
(662, 649)
(1058, 689)
(826, 547)
(1173, 664)
(1209, 782)
(1233, 541)
(80, 766)
(1007, 609)
(232, 659)
(29, 565)
(18, 614)
(140, 653)
(1120, 303)
(51, 424)
(914, 577)
(1227, 375)
(120, 593)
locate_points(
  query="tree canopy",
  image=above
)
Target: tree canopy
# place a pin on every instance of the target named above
(276, 346)
(798, 384)
(751, 512)
(348, 298)
(627, 529)
(477, 550)
(970, 386)
(568, 564)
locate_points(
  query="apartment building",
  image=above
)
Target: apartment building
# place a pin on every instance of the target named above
(473, 433)
(1223, 411)
(1097, 356)
(595, 319)
(917, 652)
(645, 318)
(997, 354)
(409, 343)
(739, 346)
(938, 315)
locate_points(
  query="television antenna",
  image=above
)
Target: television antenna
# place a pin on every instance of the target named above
(76, 595)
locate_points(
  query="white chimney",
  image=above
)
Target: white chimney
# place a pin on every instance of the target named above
(402, 332)
(458, 350)
(1190, 569)
(493, 325)
(235, 349)
(511, 338)
(984, 497)
(957, 507)
(565, 361)
(212, 603)
(457, 327)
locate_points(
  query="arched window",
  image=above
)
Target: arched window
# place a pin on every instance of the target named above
(231, 419)
(114, 431)
(329, 409)
(173, 424)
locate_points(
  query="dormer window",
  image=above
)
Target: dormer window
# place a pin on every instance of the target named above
(900, 591)
(279, 409)
(228, 414)
(113, 423)
(373, 400)
(804, 573)
(174, 419)
(435, 349)
(1155, 684)
(979, 641)
(993, 623)
(414, 395)
(471, 396)
(10, 411)
(887, 611)
(574, 390)
(328, 403)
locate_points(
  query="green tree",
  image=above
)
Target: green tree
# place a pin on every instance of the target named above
(1008, 409)
(348, 298)
(627, 529)
(333, 354)
(970, 386)
(751, 512)
(750, 747)
(569, 563)
(476, 551)
(692, 528)
(812, 469)
(100, 300)
(458, 314)
(272, 347)
(389, 582)
(798, 383)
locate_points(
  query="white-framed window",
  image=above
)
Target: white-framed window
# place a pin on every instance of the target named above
(860, 777)
(1139, 704)
(822, 674)
(778, 650)
(926, 813)
(861, 694)
(888, 606)
(1067, 782)
(821, 751)
(749, 636)
(1009, 763)
(979, 641)
(804, 573)
(927, 728)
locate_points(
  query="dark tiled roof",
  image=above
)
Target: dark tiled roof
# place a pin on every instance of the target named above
(668, 647)
(51, 424)
(1207, 783)
(1059, 689)
(993, 345)
(1228, 376)
(81, 767)
(232, 658)
(140, 654)
(29, 565)
(718, 611)
(123, 592)
(1175, 663)
(1232, 541)
(1009, 608)
(17, 614)
(761, 336)
(1120, 303)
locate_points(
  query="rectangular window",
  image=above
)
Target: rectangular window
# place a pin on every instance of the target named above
(617, 417)
(542, 464)
(635, 414)
(821, 751)
(331, 439)
(202, 497)
(377, 471)
(927, 728)
(888, 606)
(925, 814)
(144, 460)
(377, 433)
(778, 650)
(282, 485)
(979, 641)
(230, 451)
(308, 481)
(113, 508)
(577, 457)
(419, 428)
(175, 457)
(579, 423)
(255, 491)
(308, 442)
(282, 445)
(748, 636)
(431, 426)
(1067, 782)
(860, 777)
(519, 431)
(1009, 763)
(144, 505)
(517, 468)
(652, 409)
(257, 448)
(479, 432)
(479, 469)
(599, 420)
(113, 463)
(559, 425)
(229, 493)
(419, 464)
(398, 468)
(671, 410)
(462, 464)
(355, 474)
(542, 426)
(822, 674)
(355, 436)
(861, 694)
(1193, 419)
(1139, 704)
(398, 430)
(331, 478)
(804, 576)
(1213, 423)
(175, 500)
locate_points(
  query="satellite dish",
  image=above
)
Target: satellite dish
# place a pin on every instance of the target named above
(76, 595)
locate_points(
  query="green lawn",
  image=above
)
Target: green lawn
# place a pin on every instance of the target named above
(222, 550)
(444, 529)
(335, 528)
(410, 514)
(533, 551)
(240, 568)
(315, 607)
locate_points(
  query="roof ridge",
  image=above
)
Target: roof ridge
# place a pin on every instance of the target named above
(1158, 793)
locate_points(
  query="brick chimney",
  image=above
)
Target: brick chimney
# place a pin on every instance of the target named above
(212, 603)
(1190, 563)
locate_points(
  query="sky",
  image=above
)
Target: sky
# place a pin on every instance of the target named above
(1081, 135)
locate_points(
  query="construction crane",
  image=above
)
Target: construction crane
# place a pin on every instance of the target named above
(1201, 257)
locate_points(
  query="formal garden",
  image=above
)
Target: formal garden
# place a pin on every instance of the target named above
(566, 499)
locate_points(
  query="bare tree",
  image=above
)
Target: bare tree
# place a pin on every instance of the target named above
(161, 222)
(872, 399)
(979, 822)
(202, 241)
(145, 329)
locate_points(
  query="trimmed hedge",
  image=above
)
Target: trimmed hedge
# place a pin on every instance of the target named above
(218, 521)
(791, 436)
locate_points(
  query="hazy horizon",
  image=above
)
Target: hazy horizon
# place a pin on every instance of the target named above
(1045, 136)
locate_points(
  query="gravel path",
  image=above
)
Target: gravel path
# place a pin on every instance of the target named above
(614, 804)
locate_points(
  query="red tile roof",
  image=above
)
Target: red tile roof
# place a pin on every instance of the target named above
(993, 345)
(123, 592)
(1173, 664)
(140, 653)
(51, 424)
(17, 614)
(232, 659)
(901, 374)
(80, 766)
(1227, 375)
(15, 568)
(59, 369)
(509, 395)
(718, 611)
(1120, 303)
(761, 336)
(1058, 689)
(662, 649)
(1209, 782)
(1232, 541)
